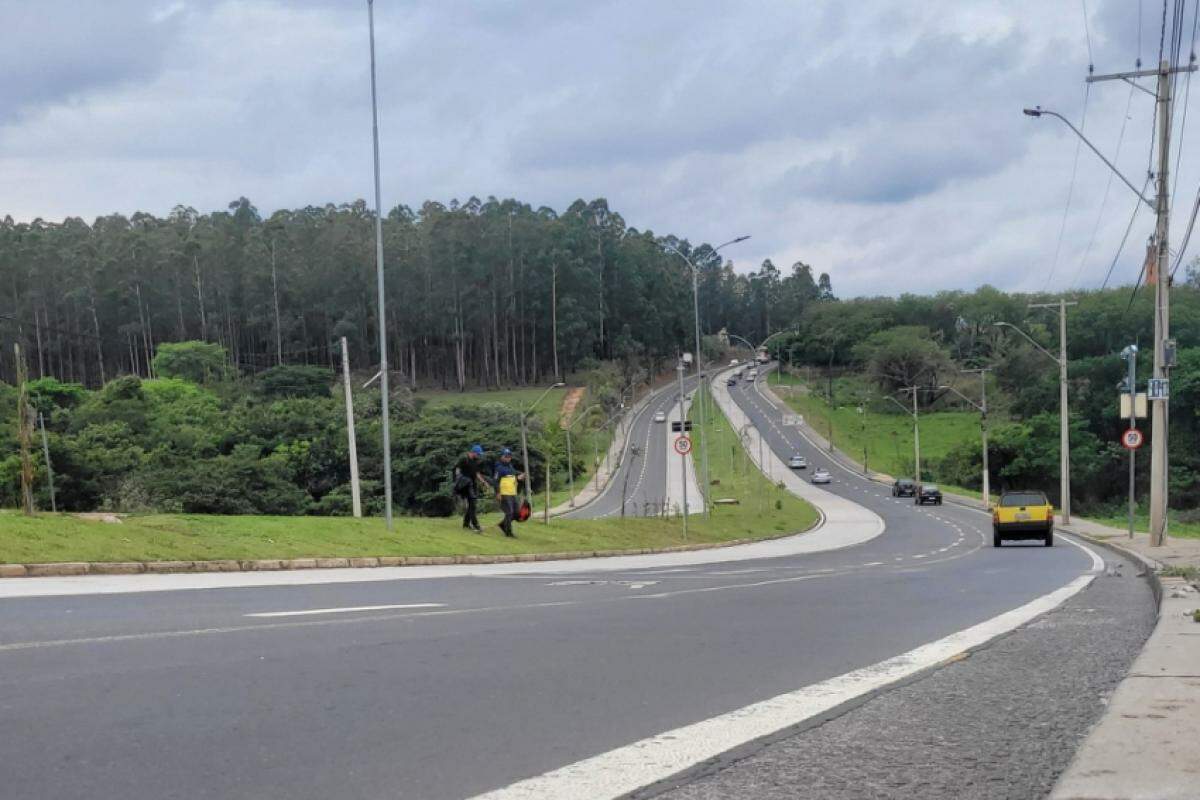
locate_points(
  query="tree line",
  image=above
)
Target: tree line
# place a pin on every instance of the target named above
(926, 341)
(480, 293)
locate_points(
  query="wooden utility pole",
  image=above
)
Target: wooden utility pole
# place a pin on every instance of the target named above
(24, 433)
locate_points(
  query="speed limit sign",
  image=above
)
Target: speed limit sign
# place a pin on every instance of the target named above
(1132, 439)
(683, 445)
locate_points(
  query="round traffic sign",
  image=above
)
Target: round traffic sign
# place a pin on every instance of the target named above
(683, 445)
(1132, 439)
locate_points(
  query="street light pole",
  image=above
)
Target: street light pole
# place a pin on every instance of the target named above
(1064, 458)
(524, 438)
(679, 369)
(701, 388)
(983, 432)
(383, 352)
(570, 469)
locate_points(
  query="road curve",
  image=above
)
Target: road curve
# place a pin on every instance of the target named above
(449, 687)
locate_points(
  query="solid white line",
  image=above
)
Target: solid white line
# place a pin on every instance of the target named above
(343, 610)
(618, 772)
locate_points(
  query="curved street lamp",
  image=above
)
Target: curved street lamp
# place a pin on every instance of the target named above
(696, 312)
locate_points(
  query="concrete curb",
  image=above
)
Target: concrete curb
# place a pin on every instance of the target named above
(73, 568)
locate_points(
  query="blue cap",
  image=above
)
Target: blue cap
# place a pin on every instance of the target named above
(476, 449)
(506, 452)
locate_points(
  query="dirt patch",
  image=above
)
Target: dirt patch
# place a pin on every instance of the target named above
(570, 403)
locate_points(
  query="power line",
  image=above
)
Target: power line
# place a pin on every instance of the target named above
(1136, 207)
(1104, 201)
(1062, 228)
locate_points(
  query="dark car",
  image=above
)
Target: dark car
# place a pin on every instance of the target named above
(904, 488)
(731, 382)
(929, 494)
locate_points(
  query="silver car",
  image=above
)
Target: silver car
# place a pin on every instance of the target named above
(798, 462)
(660, 416)
(821, 475)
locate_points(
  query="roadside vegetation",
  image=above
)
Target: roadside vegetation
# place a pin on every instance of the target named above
(852, 354)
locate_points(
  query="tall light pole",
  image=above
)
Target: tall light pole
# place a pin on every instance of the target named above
(982, 409)
(570, 470)
(383, 351)
(1064, 456)
(699, 354)
(983, 432)
(916, 433)
(680, 368)
(524, 439)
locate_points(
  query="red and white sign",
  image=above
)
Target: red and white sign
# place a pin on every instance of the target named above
(683, 445)
(1132, 439)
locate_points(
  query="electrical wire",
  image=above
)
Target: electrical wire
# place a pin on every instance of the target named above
(1104, 201)
(1062, 228)
(1137, 206)
(1187, 92)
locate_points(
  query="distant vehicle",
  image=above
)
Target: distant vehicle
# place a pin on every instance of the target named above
(732, 381)
(821, 475)
(929, 493)
(660, 416)
(798, 462)
(761, 356)
(733, 362)
(1023, 515)
(753, 374)
(904, 487)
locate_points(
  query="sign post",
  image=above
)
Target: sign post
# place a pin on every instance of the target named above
(1132, 438)
(683, 445)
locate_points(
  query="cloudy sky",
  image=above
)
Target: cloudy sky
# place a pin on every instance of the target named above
(881, 141)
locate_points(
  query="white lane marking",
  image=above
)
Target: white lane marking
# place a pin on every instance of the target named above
(616, 773)
(343, 610)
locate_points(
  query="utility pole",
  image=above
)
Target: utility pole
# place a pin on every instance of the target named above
(1162, 290)
(383, 352)
(49, 468)
(983, 432)
(1064, 416)
(353, 443)
(275, 296)
(916, 443)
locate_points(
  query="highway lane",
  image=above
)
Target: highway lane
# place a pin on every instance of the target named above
(641, 478)
(182, 694)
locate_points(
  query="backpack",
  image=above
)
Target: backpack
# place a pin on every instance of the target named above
(524, 511)
(462, 485)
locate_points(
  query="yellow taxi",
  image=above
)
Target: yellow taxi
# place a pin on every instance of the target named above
(1023, 515)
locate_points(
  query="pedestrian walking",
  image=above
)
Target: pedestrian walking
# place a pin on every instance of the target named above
(468, 477)
(506, 477)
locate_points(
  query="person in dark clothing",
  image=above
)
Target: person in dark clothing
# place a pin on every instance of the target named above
(506, 477)
(470, 476)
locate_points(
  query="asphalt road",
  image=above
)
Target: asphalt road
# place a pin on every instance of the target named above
(485, 680)
(641, 478)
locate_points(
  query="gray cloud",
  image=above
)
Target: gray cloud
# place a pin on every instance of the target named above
(868, 139)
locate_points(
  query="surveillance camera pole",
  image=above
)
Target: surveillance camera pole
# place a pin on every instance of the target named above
(679, 369)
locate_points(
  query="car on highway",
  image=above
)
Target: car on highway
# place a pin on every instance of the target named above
(798, 462)
(1023, 515)
(904, 487)
(821, 475)
(732, 381)
(929, 493)
(660, 416)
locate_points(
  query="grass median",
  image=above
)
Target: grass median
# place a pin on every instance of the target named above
(762, 511)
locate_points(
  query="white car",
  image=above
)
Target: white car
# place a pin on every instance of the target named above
(821, 476)
(660, 416)
(798, 462)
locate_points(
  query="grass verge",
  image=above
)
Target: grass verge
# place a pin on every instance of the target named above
(763, 511)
